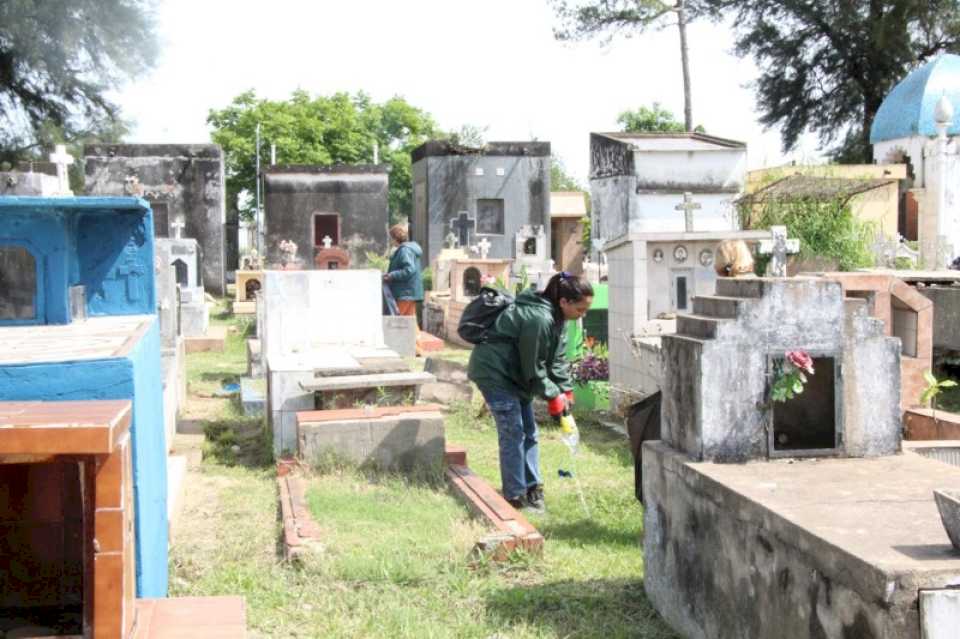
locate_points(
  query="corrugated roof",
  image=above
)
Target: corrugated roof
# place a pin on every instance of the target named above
(808, 187)
(568, 204)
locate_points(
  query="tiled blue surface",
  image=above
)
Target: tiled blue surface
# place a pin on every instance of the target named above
(908, 110)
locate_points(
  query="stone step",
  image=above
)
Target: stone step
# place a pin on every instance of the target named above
(739, 287)
(700, 326)
(717, 306)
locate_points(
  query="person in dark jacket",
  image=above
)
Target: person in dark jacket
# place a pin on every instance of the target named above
(524, 357)
(404, 275)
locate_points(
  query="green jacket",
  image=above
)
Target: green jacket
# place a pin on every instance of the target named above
(526, 352)
(406, 279)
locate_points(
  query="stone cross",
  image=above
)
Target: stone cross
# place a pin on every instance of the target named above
(62, 159)
(688, 206)
(484, 246)
(778, 246)
(178, 228)
(451, 241)
(463, 224)
(327, 241)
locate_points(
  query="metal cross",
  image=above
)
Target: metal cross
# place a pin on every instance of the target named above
(463, 224)
(778, 246)
(178, 228)
(484, 246)
(62, 159)
(688, 206)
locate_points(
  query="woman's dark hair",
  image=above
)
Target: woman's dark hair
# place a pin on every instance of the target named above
(566, 286)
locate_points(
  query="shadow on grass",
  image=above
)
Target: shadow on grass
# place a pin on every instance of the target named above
(589, 532)
(591, 608)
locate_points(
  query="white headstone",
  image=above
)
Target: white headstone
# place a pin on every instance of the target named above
(778, 246)
(484, 247)
(63, 160)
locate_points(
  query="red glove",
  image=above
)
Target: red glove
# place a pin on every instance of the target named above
(569, 395)
(557, 405)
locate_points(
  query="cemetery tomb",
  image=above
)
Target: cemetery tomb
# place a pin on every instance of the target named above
(186, 184)
(808, 536)
(248, 285)
(309, 204)
(639, 182)
(915, 125)
(652, 278)
(31, 178)
(907, 315)
(95, 255)
(479, 194)
(466, 278)
(184, 256)
(172, 347)
(531, 256)
(68, 518)
(316, 359)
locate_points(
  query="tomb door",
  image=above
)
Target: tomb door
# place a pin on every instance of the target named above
(326, 225)
(811, 423)
(181, 272)
(471, 282)
(681, 289)
(161, 218)
(250, 289)
(19, 277)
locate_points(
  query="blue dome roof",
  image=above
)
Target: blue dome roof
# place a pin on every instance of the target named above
(908, 110)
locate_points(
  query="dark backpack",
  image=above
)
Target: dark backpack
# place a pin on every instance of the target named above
(480, 314)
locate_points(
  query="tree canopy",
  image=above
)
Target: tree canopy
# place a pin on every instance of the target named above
(652, 119)
(826, 67)
(57, 62)
(560, 180)
(322, 130)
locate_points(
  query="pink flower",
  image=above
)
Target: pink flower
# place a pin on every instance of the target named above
(801, 360)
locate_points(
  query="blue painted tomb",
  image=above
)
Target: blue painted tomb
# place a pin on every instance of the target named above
(78, 321)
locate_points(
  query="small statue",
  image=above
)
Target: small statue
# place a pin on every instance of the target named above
(288, 252)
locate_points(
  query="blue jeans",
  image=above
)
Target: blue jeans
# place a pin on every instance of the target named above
(517, 435)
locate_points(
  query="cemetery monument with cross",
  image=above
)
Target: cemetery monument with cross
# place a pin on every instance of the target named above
(184, 184)
(658, 261)
(307, 203)
(488, 192)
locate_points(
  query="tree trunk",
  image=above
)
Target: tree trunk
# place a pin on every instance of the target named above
(685, 64)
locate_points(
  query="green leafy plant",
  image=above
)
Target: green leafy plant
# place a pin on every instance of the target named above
(934, 387)
(790, 374)
(377, 260)
(825, 228)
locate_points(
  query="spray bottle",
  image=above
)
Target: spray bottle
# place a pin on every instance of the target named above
(559, 408)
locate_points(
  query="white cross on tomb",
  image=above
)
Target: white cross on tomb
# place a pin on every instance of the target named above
(327, 241)
(688, 206)
(177, 228)
(778, 246)
(62, 159)
(484, 246)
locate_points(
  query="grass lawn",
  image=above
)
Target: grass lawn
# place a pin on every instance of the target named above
(396, 559)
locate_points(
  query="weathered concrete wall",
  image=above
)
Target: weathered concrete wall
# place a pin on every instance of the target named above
(715, 369)
(612, 205)
(453, 180)
(358, 194)
(405, 442)
(719, 565)
(871, 385)
(187, 178)
(946, 315)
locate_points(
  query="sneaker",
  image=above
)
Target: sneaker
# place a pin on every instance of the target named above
(517, 502)
(535, 498)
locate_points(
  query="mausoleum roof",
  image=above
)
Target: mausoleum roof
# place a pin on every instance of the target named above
(810, 187)
(908, 110)
(440, 148)
(660, 141)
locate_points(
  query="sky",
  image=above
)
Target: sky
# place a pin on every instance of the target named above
(491, 64)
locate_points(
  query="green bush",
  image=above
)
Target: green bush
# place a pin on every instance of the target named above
(824, 228)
